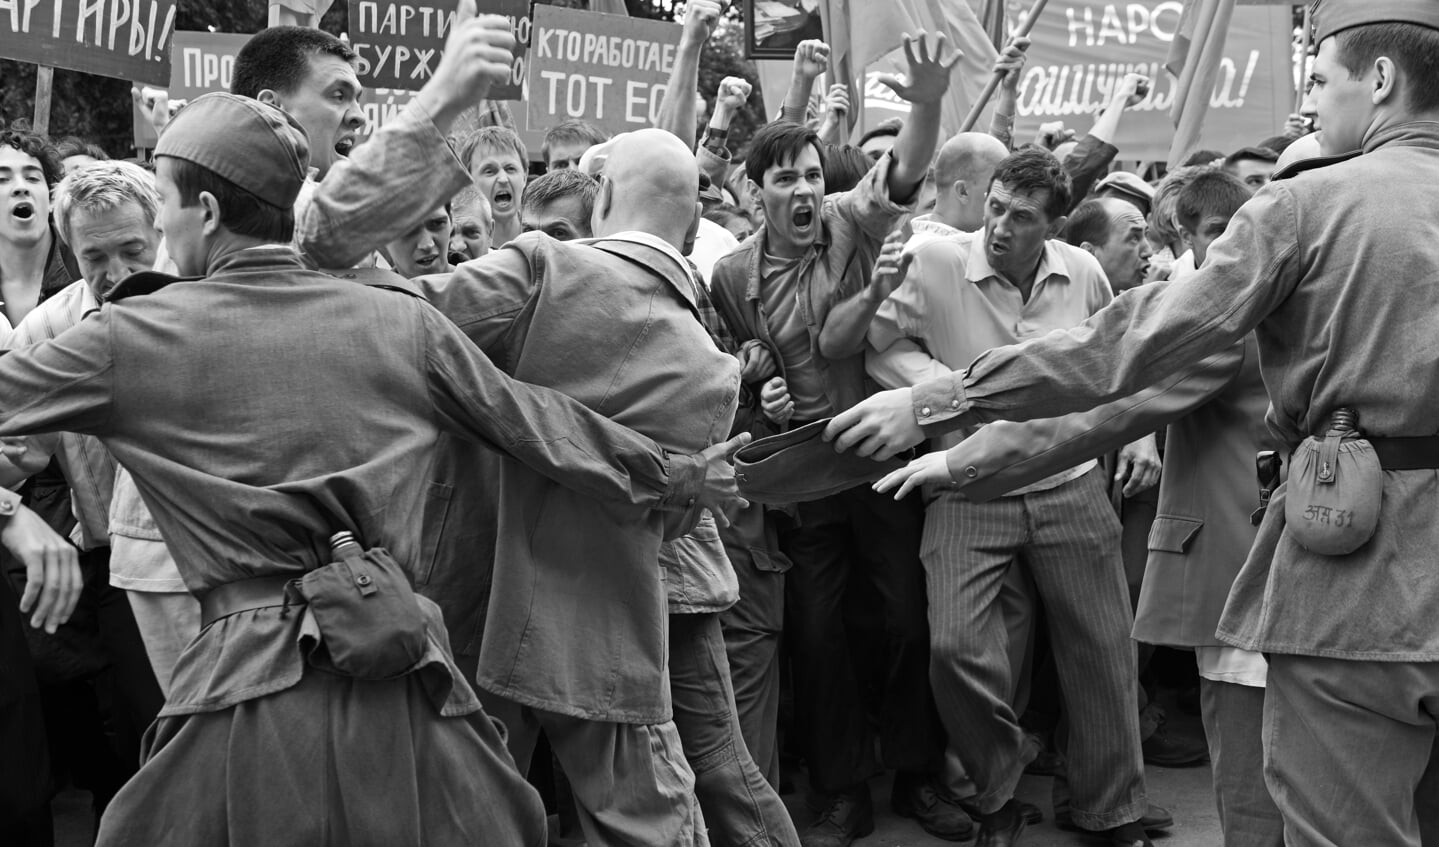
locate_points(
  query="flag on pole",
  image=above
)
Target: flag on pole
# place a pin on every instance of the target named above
(609, 7)
(992, 18)
(1194, 58)
(866, 36)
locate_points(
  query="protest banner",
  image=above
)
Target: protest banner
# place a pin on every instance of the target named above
(128, 39)
(1081, 47)
(399, 42)
(606, 69)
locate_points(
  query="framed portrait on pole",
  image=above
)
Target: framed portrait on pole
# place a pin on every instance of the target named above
(773, 28)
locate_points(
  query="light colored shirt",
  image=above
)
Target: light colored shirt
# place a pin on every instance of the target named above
(955, 304)
(88, 466)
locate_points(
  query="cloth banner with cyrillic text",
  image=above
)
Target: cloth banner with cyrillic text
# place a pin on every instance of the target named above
(609, 70)
(1082, 47)
(399, 42)
(126, 39)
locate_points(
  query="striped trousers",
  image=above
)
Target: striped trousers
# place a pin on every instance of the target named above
(1068, 539)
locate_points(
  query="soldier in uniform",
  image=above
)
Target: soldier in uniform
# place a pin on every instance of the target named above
(1341, 295)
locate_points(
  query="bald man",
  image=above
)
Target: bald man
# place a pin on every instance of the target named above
(1115, 233)
(962, 172)
(574, 642)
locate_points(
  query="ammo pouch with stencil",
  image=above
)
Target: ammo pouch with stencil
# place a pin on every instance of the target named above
(370, 624)
(1335, 487)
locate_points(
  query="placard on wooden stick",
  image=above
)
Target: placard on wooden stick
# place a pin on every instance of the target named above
(126, 39)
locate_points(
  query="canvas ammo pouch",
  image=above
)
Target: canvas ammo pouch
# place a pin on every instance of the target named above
(1336, 484)
(370, 624)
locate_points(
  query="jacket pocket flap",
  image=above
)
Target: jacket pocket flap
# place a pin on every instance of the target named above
(1172, 534)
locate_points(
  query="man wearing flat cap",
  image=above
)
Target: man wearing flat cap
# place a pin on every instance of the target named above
(1338, 284)
(262, 407)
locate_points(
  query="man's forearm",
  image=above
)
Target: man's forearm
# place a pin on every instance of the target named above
(913, 150)
(844, 328)
(796, 99)
(677, 110)
(383, 190)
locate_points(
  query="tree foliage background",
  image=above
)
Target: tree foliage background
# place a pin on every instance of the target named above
(98, 109)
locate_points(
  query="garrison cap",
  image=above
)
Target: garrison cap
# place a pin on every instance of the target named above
(1332, 16)
(254, 145)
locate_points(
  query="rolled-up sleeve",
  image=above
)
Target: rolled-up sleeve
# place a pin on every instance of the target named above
(383, 190)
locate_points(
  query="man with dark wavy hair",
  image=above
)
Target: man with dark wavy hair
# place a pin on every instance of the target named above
(33, 260)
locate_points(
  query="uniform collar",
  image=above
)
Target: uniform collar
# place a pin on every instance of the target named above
(1410, 134)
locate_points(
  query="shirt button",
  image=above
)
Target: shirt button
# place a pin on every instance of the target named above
(7, 507)
(924, 412)
(954, 404)
(971, 472)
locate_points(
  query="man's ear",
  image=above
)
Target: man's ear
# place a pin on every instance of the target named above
(1056, 226)
(1385, 80)
(1090, 247)
(270, 98)
(210, 224)
(1186, 237)
(692, 232)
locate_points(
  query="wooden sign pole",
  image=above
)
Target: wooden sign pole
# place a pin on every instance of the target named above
(1304, 58)
(993, 85)
(44, 79)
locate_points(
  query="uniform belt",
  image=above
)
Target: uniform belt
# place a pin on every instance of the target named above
(256, 593)
(1407, 453)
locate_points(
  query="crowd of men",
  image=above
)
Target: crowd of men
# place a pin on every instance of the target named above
(385, 493)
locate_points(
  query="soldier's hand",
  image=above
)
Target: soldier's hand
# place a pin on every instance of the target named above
(811, 58)
(931, 468)
(478, 55)
(52, 569)
(878, 427)
(720, 493)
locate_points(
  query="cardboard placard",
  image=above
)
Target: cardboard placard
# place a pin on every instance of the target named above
(609, 70)
(400, 42)
(127, 39)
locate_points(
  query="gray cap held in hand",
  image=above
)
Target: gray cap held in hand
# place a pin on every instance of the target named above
(799, 465)
(256, 146)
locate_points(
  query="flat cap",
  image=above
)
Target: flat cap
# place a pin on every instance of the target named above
(799, 465)
(256, 146)
(1129, 184)
(1332, 16)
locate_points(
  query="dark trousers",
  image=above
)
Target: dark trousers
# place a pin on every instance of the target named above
(752, 628)
(1233, 724)
(740, 808)
(834, 535)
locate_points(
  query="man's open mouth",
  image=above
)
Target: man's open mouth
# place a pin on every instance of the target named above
(997, 247)
(428, 261)
(23, 211)
(345, 145)
(457, 258)
(503, 195)
(803, 217)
